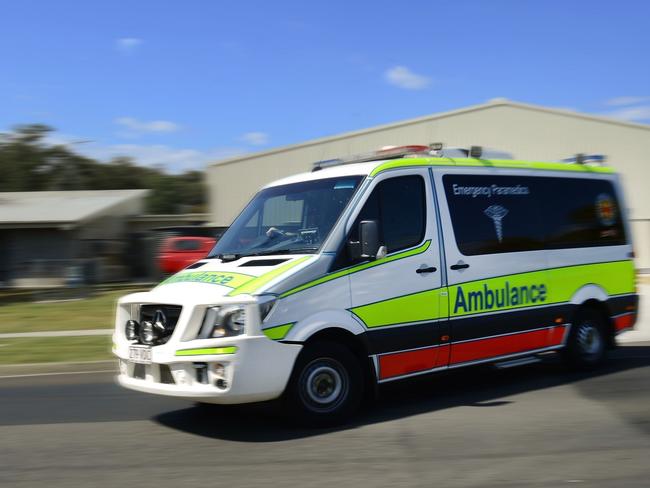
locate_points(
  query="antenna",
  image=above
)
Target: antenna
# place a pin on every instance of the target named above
(582, 158)
(475, 152)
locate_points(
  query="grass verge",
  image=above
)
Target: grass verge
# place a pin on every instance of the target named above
(55, 349)
(96, 312)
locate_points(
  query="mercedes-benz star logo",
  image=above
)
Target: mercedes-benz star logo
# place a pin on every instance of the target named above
(160, 321)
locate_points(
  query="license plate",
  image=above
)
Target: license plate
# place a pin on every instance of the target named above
(140, 354)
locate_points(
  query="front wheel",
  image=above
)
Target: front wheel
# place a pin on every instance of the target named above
(587, 345)
(326, 385)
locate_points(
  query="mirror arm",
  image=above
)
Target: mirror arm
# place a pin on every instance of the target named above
(381, 252)
(354, 248)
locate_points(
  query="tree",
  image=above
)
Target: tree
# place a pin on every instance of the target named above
(29, 163)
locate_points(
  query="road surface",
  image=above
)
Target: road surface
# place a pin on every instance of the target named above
(530, 426)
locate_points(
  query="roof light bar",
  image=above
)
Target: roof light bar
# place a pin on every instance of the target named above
(435, 149)
(387, 152)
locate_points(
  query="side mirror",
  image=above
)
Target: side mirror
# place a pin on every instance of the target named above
(369, 240)
(368, 246)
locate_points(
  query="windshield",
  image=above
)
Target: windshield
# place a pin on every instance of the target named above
(295, 218)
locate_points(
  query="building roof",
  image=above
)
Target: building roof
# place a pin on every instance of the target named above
(497, 102)
(60, 208)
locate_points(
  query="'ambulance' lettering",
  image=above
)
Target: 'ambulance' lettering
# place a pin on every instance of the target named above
(507, 296)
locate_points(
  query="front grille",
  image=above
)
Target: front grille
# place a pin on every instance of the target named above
(165, 315)
(139, 371)
(166, 375)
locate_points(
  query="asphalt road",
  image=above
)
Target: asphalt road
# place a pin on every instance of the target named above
(530, 426)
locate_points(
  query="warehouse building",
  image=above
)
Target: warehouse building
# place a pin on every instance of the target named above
(51, 238)
(526, 131)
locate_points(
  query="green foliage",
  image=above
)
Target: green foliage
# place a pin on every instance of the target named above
(29, 163)
(93, 312)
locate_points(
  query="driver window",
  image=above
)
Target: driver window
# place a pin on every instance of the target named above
(399, 206)
(402, 206)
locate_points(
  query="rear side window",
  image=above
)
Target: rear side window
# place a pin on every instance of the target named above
(496, 214)
(581, 213)
(398, 204)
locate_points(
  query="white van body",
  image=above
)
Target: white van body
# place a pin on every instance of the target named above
(436, 300)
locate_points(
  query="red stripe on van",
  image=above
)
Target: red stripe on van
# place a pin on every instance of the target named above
(443, 355)
(401, 363)
(556, 335)
(623, 322)
(504, 345)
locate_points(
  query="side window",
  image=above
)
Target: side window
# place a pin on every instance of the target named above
(254, 221)
(403, 213)
(282, 213)
(252, 228)
(399, 205)
(494, 214)
(581, 213)
(187, 245)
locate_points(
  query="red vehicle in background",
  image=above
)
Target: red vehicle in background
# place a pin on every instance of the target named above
(177, 253)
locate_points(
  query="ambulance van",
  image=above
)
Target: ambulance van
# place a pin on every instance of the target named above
(403, 262)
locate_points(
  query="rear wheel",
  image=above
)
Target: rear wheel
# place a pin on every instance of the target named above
(587, 344)
(326, 385)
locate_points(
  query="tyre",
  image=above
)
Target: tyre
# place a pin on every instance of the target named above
(587, 343)
(326, 386)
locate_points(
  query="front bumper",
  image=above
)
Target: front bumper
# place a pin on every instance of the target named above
(257, 370)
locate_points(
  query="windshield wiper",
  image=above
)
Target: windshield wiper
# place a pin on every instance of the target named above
(300, 250)
(228, 257)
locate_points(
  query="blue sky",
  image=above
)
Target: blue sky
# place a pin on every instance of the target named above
(180, 83)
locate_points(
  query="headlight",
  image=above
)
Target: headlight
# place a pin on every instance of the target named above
(131, 330)
(223, 322)
(147, 333)
(266, 305)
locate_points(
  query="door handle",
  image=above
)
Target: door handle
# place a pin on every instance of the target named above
(459, 265)
(431, 269)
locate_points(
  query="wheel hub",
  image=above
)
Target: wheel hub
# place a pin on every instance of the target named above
(324, 384)
(589, 339)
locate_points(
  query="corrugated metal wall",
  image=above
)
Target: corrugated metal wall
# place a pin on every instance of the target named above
(527, 132)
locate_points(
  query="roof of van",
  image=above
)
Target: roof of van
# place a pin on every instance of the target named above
(373, 168)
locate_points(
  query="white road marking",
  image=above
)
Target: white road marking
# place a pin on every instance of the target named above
(57, 333)
(54, 374)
